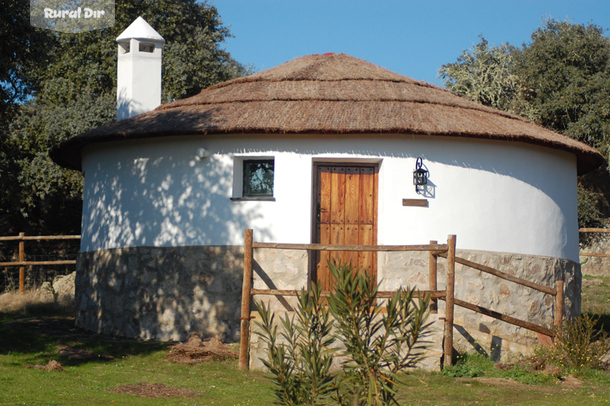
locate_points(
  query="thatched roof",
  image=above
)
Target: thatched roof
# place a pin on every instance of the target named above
(333, 94)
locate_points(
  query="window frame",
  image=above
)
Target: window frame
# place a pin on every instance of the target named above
(240, 176)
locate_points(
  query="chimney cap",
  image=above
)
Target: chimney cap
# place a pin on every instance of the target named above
(140, 29)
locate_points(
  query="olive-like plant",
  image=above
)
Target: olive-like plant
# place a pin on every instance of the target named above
(380, 338)
(300, 359)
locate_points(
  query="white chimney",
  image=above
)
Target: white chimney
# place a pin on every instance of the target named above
(138, 70)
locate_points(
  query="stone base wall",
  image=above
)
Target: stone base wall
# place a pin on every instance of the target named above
(597, 243)
(160, 293)
(480, 333)
(166, 293)
(472, 331)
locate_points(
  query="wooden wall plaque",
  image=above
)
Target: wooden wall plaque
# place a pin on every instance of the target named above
(415, 202)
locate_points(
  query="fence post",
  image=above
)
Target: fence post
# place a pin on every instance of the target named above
(559, 305)
(244, 342)
(432, 263)
(21, 268)
(449, 300)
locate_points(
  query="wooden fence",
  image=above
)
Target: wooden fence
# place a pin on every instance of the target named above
(22, 262)
(594, 230)
(435, 250)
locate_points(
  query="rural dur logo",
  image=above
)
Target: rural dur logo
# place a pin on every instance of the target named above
(72, 16)
(88, 13)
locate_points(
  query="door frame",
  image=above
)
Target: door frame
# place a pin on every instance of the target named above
(368, 163)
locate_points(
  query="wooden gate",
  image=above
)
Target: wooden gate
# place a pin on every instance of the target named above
(345, 213)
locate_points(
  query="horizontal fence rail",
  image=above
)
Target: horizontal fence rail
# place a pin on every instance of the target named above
(503, 317)
(502, 275)
(594, 230)
(40, 237)
(436, 294)
(22, 262)
(335, 247)
(31, 263)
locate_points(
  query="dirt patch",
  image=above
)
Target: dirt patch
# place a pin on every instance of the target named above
(154, 390)
(563, 384)
(80, 354)
(591, 282)
(196, 350)
(51, 366)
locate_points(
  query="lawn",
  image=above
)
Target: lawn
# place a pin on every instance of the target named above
(34, 334)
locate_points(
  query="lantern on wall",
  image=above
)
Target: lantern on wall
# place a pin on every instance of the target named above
(420, 176)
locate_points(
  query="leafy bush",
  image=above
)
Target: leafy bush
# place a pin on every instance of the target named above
(588, 212)
(580, 344)
(579, 348)
(378, 344)
(301, 364)
(379, 341)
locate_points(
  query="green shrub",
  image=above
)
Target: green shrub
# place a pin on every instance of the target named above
(379, 340)
(528, 370)
(301, 364)
(588, 213)
(580, 344)
(378, 344)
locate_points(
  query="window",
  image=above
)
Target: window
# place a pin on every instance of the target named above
(258, 178)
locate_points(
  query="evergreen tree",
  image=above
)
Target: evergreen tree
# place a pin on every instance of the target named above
(565, 78)
(560, 80)
(74, 90)
(483, 74)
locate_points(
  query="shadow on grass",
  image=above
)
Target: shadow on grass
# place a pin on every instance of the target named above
(38, 330)
(603, 322)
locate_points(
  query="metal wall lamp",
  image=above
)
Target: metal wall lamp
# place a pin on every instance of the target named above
(420, 176)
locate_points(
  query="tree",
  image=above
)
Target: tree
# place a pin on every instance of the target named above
(560, 80)
(565, 78)
(17, 79)
(483, 74)
(17, 61)
(378, 342)
(74, 90)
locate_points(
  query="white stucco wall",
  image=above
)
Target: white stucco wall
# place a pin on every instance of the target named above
(496, 196)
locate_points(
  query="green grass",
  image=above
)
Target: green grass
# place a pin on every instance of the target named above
(596, 298)
(89, 382)
(436, 389)
(473, 381)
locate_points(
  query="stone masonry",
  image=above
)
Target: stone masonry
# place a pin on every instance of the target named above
(472, 331)
(160, 293)
(166, 293)
(477, 332)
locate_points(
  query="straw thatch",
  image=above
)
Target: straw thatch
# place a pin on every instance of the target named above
(332, 94)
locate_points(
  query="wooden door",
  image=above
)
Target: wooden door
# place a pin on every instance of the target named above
(345, 213)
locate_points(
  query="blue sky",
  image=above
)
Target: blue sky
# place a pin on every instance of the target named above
(413, 38)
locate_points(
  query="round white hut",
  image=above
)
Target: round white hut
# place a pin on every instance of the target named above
(320, 149)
